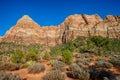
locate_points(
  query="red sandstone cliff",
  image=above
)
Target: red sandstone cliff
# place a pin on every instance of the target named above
(27, 31)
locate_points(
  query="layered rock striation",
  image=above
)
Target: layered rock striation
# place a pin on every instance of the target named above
(27, 31)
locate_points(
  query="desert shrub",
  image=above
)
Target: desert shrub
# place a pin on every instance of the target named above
(101, 59)
(54, 75)
(74, 67)
(67, 56)
(36, 68)
(56, 51)
(10, 76)
(58, 65)
(84, 49)
(98, 40)
(30, 62)
(90, 45)
(18, 57)
(81, 62)
(8, 66)
(86, 62)
(5, 57)
(101, 45)
(68, 46)
(79, 73)
(32, 54)
(85, 55)
(90, 59)
(77, 55)
(46, 56)
(27, 64)
(116, 45)
(82, 56)
(52, 61)
(115, 61)
(80, 41)
(104, 64)
(24, 66)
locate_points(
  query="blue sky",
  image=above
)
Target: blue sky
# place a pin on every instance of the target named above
(52, 12)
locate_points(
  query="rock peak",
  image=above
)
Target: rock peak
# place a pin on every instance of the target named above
(27, 22)
(26, 17)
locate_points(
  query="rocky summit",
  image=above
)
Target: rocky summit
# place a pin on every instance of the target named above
(27, 31)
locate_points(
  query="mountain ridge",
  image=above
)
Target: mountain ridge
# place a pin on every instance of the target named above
(27, 31)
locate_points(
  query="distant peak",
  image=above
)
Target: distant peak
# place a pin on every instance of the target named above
(26, 17)
(26, 21)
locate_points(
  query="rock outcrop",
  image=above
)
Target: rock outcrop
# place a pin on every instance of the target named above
(27, 31)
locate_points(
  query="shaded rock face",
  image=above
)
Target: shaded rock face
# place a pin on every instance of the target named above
(27, 31)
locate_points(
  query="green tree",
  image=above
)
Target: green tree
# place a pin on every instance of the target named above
(67, 56)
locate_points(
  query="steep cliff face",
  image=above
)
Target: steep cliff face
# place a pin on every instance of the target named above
(86, 25)
(27, 31)
(79, 25)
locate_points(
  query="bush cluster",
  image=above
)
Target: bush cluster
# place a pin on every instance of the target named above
(32, 54)
(56, 51)
(95, 44)
(10, 76)
(58, 65)
(82, 62)
(27, 64)
(116, 62)
(104, 64)
(46, 56)
(79, 72)
(36, 68)
(8, 66)
(54, 75)
(20, 57)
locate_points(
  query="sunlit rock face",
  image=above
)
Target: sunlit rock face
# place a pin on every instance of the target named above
(27, 31)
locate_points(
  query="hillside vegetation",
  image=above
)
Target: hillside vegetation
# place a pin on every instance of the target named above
(93, 58)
